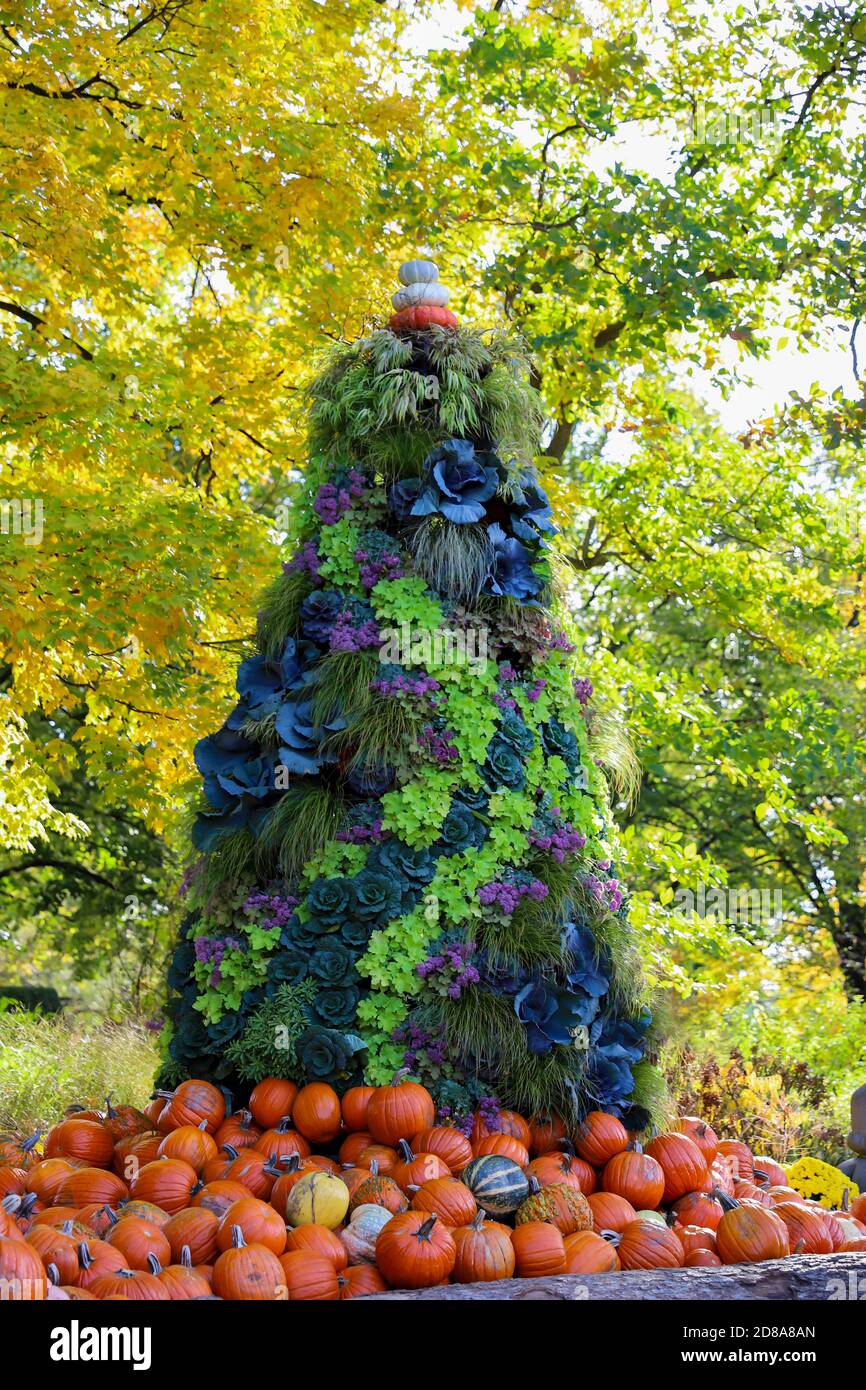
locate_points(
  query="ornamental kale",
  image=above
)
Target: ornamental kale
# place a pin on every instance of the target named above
(512, 573)
(504, 767)
(459, 481)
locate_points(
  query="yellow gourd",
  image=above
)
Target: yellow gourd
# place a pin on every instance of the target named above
(317, 1198)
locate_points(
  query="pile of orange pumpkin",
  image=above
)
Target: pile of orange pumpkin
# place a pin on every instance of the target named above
(302, 1196)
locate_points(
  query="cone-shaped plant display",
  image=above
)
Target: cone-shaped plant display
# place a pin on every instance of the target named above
(403, 851)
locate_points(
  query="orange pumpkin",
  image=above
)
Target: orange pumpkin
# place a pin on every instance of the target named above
(137, 1241)
(411, 1169)
(192, 1143)
(484, 1252)
(504, 1122)
(398, 1110)
(707, 1259)
(271, 1099)
(698, 1209)
(749, 1234)
(610, 1212)
(741, 1154)
(702, 1135)
(600, 1137)
(449, 1198)
(586, 1252)
(258, 1222)
(354, 1144)
(646, 1244)
(317, 1113)
(359, 1281)
(168, 1183)
(447, 1142)
(193, 1229)
(682, 1163)
(636, 1176)
(545, 1133)
(538, 1250)
(248, 1273)
(419, 317)
(239, 1130)
(78, 1138)
(559, 1166)
(217, 1197)
(192, 1102)
(309, 1278)
(354, 1106)
(415, 1251)
(504, 1144)
(807, 1230)
(319, 1240)
(282, 1141)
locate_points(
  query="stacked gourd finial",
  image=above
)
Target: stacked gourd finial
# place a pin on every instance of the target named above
(421, 301)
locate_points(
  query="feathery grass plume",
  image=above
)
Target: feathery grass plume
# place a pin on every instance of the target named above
(342, 685)
(465, 351)
(302, 823)
(454, 560)
(522, 940)
(279, 615)
(262, 731)
(400, 453)
(385, 350)
(651, 1094)
(610, 744)
(270, 1033)
(231, 860)
(383, 736)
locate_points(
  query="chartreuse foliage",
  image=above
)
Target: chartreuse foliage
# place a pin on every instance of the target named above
(405, 841)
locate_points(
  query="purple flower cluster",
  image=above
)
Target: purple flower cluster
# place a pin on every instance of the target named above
(304, 561)
(376, 567)
(211, 949)
(274, 910)
(488, 1113)
(505, 702)
(419, 686)
(583, 690)
(453, 969)
(345, 637)
(555, 836)
(438, 746)
(416, 1041)
(507, 672)
(364, 825)
(504, 894)
(333, 501)
(446, 1115)
(535, 691)
(558, 642)
(607, 892)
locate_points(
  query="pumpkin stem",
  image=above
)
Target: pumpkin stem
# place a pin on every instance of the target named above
(53, 1274)
(725, 1202)
(700, 1130)
(85, 1259)
(28, 1145)
(760, 1177)
(612, 1237)
(28, 1202)
(110, 1112)
(284, 1125)
(374, 1167)
(845, 1200)
(66, 1228)
(635, 1146)
(11, 1203)
(670, 1219)
(423, 1232)
(154, 1265)
(202, 1124)
(405, 1151)
(186, 1257)
(230, 1149)
(477, 1222)
(534, 1184)
(399, 1076)
(238, 1241)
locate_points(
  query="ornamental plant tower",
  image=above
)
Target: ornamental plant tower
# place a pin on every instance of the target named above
(403, 853)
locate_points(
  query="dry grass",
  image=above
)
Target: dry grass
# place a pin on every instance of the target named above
(50, 1062)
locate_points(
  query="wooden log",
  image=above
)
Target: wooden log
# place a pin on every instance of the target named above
(816, 1277)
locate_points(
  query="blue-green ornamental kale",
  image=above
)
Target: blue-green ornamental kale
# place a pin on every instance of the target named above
(306, 854)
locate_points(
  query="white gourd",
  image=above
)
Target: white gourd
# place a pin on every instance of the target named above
(430, 292)
(359, 1237)
(417, 272)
